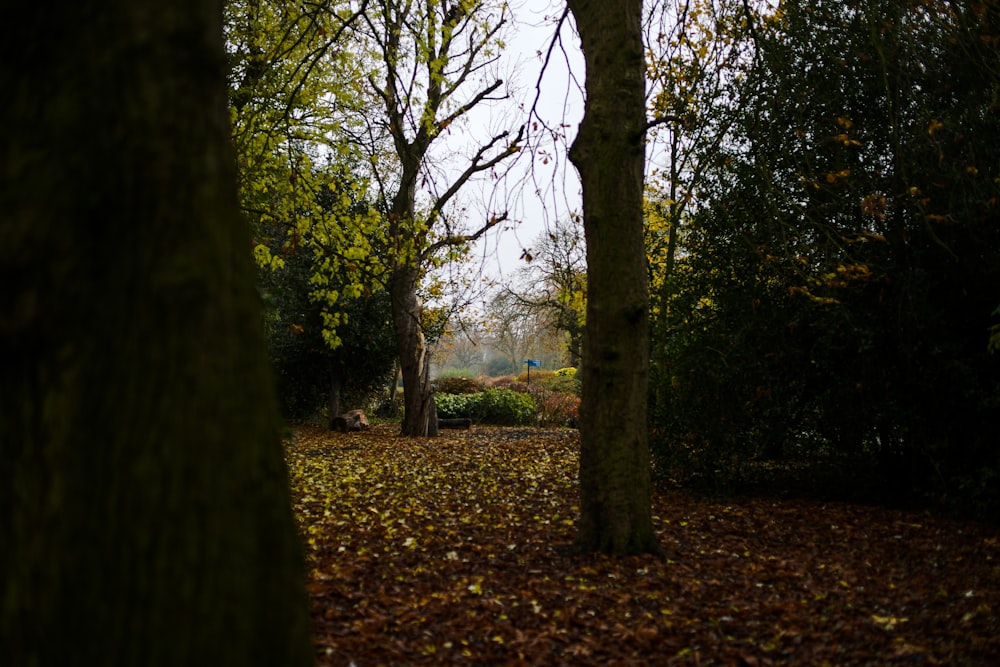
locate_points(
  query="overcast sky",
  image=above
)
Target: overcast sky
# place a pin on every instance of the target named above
(542, 186)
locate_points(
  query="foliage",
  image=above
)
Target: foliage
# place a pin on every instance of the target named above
(561, 384)
(557, 401)
(510, 382)
(460, 349)
(538, 375)
(293, 93)
(452, 406)
(696, 53)
(491, 406)
(298, 320)
(465, 373)
(335, 110)
(835, 286)
(504, 407)
(563, 380)
(556, 408)
(457, 385)
(455, 554)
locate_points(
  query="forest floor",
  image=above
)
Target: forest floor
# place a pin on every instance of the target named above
(453, 551)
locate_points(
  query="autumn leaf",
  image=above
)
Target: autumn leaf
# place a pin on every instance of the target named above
(452, 552)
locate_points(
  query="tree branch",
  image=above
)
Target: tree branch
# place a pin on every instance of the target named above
(661, 120)
(465, 238)
(475, 167)
(465, 108)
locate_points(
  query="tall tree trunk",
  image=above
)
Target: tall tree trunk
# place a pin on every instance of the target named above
(419, 414)
(609, 154)
(145, 515)
(336, 387)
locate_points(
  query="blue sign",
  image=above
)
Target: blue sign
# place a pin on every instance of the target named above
(532, 363)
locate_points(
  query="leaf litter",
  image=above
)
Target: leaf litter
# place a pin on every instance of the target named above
(453, 551)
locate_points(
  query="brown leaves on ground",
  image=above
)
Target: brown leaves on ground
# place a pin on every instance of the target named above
(451, 551)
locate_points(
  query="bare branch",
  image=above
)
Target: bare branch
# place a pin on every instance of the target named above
(545, 65)
(465, 108)
(465, 238)
(475, 166)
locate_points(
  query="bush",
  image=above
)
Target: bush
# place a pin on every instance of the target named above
(453, 406)
(563, 384)
(386, 408)
(569, 372)
(536, 376)
(492, 406)
(505, 407)
(557, 409)
(457, 385)
(509, 382)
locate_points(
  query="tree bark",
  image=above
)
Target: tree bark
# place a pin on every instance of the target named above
(419, 413)
(333, 400)
(145, 515)
(608, 152)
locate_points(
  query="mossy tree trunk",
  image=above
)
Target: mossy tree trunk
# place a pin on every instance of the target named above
(615, 515)
(144, 504)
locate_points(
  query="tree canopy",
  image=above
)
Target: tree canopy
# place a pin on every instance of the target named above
(819, 206)
(836, 282)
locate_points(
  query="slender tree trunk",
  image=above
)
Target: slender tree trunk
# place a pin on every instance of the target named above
(419, 415)
(394, 385)
(575, 348)
(609, 154)
(333, 404)
(145, 516)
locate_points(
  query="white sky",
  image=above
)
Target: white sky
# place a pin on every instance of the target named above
(542, 186)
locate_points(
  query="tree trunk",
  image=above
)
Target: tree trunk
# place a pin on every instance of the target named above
(419, 414)
(333, 403)
(609, 154)
(145, 515)
(575, 348)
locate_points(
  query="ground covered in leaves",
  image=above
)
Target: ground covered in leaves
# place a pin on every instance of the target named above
(452, 551)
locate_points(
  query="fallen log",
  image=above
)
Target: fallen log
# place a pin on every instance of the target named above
(349, 422)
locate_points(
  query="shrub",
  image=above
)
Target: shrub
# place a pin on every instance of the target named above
(457, 385)
(509, 382)
(536, 376)
(492, 406)
(506, 407)
(453, 406)
(569, 372)
(564, 384)
(557, 409)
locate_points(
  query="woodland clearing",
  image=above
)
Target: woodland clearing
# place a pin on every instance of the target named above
(453, 550)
